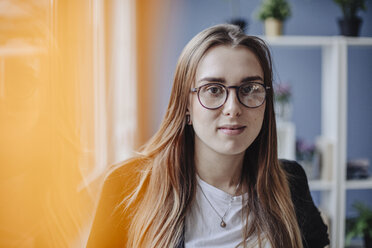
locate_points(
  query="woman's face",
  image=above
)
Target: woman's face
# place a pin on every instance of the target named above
(232, 128)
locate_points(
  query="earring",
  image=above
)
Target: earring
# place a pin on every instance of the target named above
(188, 120)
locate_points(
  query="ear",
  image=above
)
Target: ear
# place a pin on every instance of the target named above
(188, 112)
(189, 109)
(188, 117)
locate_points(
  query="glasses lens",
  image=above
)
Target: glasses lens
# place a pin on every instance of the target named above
(252, 94)
(212, 95)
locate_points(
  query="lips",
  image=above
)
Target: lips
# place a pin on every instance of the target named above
(232, 129)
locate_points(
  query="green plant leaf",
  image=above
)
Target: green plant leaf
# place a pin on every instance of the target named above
(350, 8)
(358, 226)
(278, 9)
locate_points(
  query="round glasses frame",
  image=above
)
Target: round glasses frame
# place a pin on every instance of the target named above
(237, 88)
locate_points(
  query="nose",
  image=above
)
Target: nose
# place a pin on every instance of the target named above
(232, 106)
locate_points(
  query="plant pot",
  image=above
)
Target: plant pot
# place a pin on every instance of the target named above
(273, 27)
(283, 111)
(350, 27)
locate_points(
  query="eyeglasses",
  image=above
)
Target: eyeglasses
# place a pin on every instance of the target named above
(214, 95)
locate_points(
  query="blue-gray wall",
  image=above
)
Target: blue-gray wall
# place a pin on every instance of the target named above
(299, 67)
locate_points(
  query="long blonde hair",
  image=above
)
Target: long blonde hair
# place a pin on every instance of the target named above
(168, 181)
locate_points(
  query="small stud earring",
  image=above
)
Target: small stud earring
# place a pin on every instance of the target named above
(188, 120)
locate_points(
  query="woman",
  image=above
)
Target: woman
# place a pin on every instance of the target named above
(210, 176)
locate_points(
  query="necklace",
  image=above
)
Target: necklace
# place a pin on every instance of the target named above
(223, 223)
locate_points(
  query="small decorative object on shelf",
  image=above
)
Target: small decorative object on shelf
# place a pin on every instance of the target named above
(360, 226)
(350, 23)
(325, 148)
(308, 157)
(240, 22)
(274, 13)
(357, 169)
(283, 105)
(237, 18)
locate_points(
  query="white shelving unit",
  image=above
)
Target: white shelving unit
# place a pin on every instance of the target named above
(333, 122)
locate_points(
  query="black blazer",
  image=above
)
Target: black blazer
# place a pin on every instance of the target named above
(313, 230)
(110, 226)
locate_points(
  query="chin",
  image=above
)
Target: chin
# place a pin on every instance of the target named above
(228, 149)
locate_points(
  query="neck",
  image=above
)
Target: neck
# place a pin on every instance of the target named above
(220, 170)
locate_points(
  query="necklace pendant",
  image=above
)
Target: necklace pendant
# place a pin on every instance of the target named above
(223, 224)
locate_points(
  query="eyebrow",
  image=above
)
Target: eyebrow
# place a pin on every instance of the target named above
(252, 78)
(222, 80)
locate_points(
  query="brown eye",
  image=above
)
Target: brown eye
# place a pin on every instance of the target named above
(246, 89)
(214, 90)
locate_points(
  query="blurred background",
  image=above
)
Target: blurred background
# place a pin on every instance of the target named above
(83, 84)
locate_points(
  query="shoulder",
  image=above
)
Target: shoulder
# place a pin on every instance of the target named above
(120, 182)
(295, 174)
(292, 168)
(298, 184)
(124, 176)
(313, 229)
(112, 219)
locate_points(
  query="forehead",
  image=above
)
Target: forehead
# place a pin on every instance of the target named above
(229, 63)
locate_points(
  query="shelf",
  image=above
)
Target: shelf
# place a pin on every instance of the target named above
(360, 41)
(316, 41)
(320, 185)
(299, 41)
(359, 184)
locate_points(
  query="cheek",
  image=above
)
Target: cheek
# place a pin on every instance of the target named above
(200, 116)
(256, 117)
(196, 110)
(260, 116)
(257, 112)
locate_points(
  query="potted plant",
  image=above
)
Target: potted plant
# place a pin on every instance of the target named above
(307, 157)
(282, 97)
(360, 226)
(350, 23)
(274, 13)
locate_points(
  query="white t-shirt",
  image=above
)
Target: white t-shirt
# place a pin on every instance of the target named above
(203, 224)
